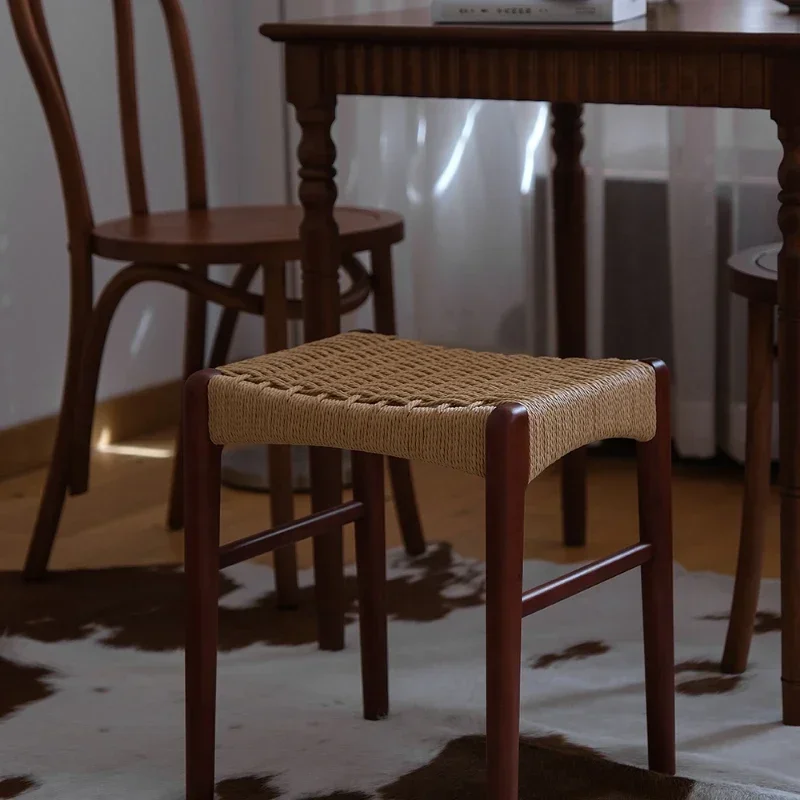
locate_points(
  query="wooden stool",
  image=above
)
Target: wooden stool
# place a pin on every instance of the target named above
(503, 417)
(175, 248)
(753, 274)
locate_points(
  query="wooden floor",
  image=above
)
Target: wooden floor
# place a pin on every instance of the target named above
(121, 520)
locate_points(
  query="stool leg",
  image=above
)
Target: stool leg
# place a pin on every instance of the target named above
(194, 358)
(655, 528)
(405, 501)
(279, 457)
(507, 472)
(758, 454)
(574, 491)
(202, 489)
(371, 566)
(326, 492)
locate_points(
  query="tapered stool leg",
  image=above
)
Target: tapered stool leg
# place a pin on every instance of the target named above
(202, 496)
(371, 566)
(507, 472)
(194, 359)
(758, 455)
(655, 529)
(329, 585)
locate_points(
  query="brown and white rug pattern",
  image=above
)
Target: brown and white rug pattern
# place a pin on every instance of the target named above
(91, 693)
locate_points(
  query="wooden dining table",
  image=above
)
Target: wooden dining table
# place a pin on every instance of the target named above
(710, 53)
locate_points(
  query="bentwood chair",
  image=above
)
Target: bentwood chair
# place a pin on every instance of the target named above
(505, 418)
(176, 248)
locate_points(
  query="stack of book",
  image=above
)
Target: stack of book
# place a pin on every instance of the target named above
(530, 12)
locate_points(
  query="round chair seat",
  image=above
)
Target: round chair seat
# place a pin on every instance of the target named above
(753, 273)
(235, 234)
(380, 394)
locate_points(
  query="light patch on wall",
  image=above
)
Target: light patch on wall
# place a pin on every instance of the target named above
(446, 178)
(141, 331)
(352, 177)
(534, 140)
(414, 196)
(104, 445)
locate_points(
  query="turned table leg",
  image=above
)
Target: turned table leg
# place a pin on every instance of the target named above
(786, 113)
(315, 105)
(569, 218)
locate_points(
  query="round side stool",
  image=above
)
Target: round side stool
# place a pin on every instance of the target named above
(753, 274)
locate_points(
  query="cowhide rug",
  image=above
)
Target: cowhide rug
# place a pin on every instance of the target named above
(91, 693)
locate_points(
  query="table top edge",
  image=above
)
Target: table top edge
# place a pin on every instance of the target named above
(327, 33)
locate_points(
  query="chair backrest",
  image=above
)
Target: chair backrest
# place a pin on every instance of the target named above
(31, 29)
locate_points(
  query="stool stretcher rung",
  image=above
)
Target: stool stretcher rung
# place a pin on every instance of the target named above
(313, 525)
(585, 578)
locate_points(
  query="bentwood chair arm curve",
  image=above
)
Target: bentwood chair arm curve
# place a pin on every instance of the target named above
(231, 298)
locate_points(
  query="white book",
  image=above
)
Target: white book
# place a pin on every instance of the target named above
(532, 12)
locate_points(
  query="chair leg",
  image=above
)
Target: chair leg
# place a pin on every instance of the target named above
(655, 528)
(758, 454)
(507, 471)
(202, 487)
(371, 566)
(399, 470)
(52, 503)
(405, 503)
(59, 475)
(194, 355)
(281, 491)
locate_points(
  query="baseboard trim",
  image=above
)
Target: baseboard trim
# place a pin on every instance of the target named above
(29, 446)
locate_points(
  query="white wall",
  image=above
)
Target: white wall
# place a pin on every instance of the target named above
(146, 339)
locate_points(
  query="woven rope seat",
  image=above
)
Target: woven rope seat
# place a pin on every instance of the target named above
(381, 394)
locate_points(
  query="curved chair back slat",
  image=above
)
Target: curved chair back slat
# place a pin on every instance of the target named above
(32, 33)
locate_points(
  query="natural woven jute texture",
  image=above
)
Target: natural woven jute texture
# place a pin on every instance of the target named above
(381, 394)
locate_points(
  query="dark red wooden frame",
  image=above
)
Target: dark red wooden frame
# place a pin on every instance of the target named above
(507, 467)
